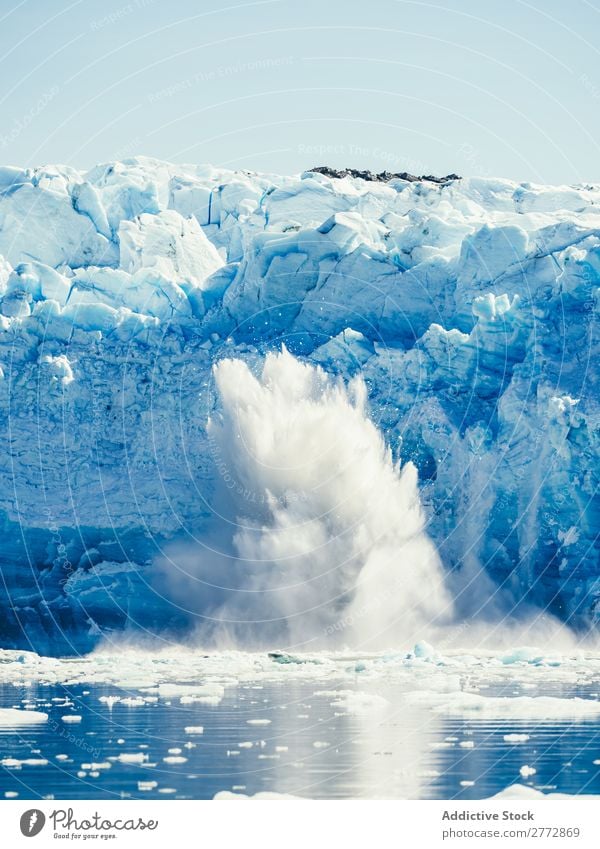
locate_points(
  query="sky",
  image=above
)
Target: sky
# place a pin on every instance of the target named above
(508, 89)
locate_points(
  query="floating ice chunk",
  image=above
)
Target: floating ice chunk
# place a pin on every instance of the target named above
(109, 700)
(425, 651)
(13, 716)
(360, 703)
(519, 792)
(540, 707)
(11, 763)
(516, 738)
(132, 757)
(175, 247)
(527, 770)
(525, 654)
(490, 251)
(265, 795)
(210, 693)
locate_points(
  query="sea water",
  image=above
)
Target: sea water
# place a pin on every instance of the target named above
(301, 737)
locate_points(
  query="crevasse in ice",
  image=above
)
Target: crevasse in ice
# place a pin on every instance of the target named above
(466, 310)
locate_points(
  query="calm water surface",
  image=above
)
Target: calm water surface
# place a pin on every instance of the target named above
(303, 745)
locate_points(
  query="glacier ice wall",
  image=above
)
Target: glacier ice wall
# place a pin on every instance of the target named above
(467, 309)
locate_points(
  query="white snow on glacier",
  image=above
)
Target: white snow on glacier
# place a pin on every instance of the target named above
(144, 309)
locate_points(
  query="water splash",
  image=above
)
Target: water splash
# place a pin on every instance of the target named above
(327, 533)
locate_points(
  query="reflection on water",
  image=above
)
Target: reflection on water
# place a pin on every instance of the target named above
(305, 742)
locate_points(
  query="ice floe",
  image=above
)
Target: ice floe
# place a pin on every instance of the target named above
(11, 717)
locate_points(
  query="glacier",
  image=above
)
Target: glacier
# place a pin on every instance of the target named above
(151, 312)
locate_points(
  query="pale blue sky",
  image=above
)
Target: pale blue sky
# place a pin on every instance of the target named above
(496, 88)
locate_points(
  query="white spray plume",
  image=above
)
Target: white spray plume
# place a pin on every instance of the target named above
(328, 532)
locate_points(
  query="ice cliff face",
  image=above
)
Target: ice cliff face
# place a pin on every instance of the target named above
(467, 309)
